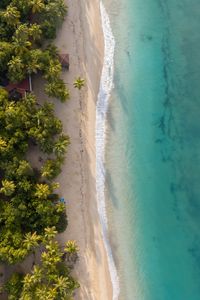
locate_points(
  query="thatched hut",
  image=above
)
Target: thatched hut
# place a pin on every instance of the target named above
(64, 60)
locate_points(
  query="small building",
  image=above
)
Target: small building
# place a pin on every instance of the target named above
(64, 60)
(19, 90)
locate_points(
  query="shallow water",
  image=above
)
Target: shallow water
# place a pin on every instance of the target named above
(153, 149)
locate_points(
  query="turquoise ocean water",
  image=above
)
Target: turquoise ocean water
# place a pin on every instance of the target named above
(153, 149)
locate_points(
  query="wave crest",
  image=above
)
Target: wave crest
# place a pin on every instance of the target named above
(106, 85)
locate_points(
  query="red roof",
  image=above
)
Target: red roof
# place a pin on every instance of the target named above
(64, 59)
(23, 85)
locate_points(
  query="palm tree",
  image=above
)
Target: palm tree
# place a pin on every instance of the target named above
(42, 190)
(50, 233)
(48, 281)
(62, 284)
(16, 64)
(31, 240)
(79, 83)
(61, 145)
(40, 292)
(47, 169)
(14, 286)
(51, 258)
(27, 281)
(51, 294)
(24, 169)
(11, 15)
(57, 89)
(35, 31)
(37, 274)
(53, 50)
(20, 47)
(32, 67)
(71, 249)
(16, 69)
(39, 116)
(3, 145)
(53, 70)
(54, 13)
(51, 168)
(25, 185)
(6, 50)
(33, 64)
(8, 187)
(21, 39)
(37, 6)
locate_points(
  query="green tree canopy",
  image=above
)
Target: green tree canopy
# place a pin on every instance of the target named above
(11, 15)
(79, 83)
(8, 187)
(49, 280)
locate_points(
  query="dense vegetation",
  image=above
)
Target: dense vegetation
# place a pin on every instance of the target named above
(31, 212)
(49, 280)
(24, 25)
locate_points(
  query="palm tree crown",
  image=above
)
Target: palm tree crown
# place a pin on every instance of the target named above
(79, 83)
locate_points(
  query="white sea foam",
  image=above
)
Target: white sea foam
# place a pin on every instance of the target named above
(106, 86)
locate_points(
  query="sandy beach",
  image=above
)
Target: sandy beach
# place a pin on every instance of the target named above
(81, 36)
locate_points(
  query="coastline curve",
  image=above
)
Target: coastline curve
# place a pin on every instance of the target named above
(106, 85)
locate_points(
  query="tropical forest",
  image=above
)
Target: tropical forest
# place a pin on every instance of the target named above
(31, 211)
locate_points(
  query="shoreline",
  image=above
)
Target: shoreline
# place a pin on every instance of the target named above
(85, 45)
(105, 90)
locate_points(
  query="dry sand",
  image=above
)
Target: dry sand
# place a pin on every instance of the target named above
(81, 36)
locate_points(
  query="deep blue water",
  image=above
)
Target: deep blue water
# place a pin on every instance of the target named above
(153, 148)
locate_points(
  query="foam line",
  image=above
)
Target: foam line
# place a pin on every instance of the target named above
(106, 85)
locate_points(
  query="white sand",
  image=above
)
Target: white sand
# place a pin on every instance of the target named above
(81, 36)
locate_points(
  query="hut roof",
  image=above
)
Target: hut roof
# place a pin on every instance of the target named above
(21, 87)
(64, 59)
